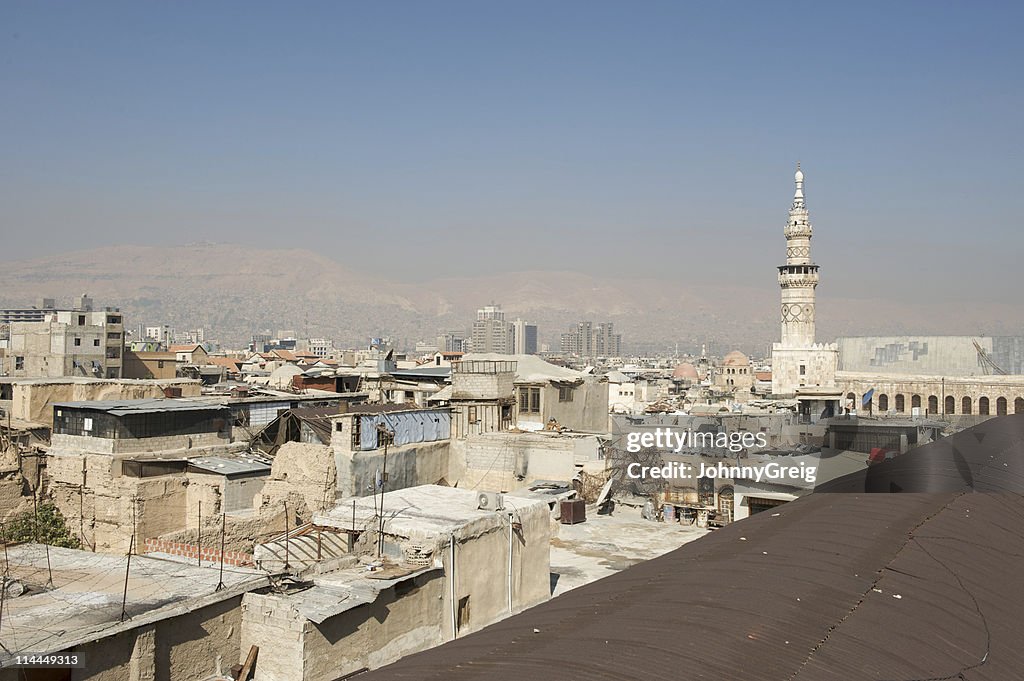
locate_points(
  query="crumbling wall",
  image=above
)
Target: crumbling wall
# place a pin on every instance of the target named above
(303, 473)
(33, 401)
(241, 533)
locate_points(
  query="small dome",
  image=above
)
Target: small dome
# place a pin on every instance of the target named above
(799, 177)
(734, 359)
(685, 370)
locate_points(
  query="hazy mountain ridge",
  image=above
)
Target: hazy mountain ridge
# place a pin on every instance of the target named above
(235, 290)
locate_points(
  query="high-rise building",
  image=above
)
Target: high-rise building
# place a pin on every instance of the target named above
(587, 341)
(797, 360)
(491, 333)
(524, 338)
(451, 342)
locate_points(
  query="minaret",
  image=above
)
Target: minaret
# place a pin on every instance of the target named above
(798, 277)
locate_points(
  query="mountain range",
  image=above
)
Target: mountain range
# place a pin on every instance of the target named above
(234, 290)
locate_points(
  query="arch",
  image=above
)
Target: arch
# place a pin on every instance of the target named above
(915, 402)
(900, 403)
(725, 503)
(1001, 406)
(950, 404)
(933, 404)
(883, 402)
(1018, 405)
(983, 405)
(965, 405)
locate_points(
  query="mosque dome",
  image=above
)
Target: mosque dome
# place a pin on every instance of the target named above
(685, 370)
(735, 359)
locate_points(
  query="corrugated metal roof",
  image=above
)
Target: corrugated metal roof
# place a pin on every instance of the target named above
(223, 466)
(832, 587)
(123, 407)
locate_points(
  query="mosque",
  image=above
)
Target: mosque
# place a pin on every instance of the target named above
(925, 375)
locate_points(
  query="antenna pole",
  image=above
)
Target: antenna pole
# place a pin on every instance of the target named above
(223, 527)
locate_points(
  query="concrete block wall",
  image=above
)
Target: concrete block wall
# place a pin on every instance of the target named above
(482, 386)
(268, 621)
(492, 460)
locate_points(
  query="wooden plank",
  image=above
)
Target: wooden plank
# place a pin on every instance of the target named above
(250, 664)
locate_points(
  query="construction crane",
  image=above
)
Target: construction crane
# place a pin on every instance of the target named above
(988, 365)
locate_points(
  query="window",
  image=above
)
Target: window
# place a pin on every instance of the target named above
(19, 362)
(529, 400)
(159, 364)
(471, 414)
(565, 393)
(463, 616)
(113, 319)
(803, 369)
(78, 341)
(95, 342)
(81, 320)
(114, 335)
(357, 429)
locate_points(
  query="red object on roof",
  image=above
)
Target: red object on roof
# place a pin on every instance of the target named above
(879, 454)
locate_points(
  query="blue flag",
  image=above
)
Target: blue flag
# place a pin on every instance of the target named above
(866, 400)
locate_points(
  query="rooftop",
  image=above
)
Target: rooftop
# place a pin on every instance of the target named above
(85, 603)
(146, 406)
(530, 368)
(425, 512)
(842, 586)
(233, 466)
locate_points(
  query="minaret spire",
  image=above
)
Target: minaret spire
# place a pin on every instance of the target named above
(799, 276)
(798, 196)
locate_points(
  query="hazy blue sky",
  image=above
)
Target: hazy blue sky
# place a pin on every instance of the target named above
(637, 137)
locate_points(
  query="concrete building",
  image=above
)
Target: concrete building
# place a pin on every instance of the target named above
(79, 342)
(524, 338)
(149, 365)
(545, 393)
(447, 569)
(622, 397)
(179, 622)
(481, 396)
(491, 333)
(798, 361)
(451, 342)
(24, 314)
(321, 347)
(586, 340)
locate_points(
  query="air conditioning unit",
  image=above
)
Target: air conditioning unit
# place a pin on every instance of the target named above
(490, 501)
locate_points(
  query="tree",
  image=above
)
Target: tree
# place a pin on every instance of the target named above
(44, 526)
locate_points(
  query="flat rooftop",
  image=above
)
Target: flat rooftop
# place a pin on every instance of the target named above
(427, 512)
(145, 406)
(85, 380)
(85, 602)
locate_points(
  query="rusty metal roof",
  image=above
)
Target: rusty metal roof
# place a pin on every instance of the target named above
(845, 585)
